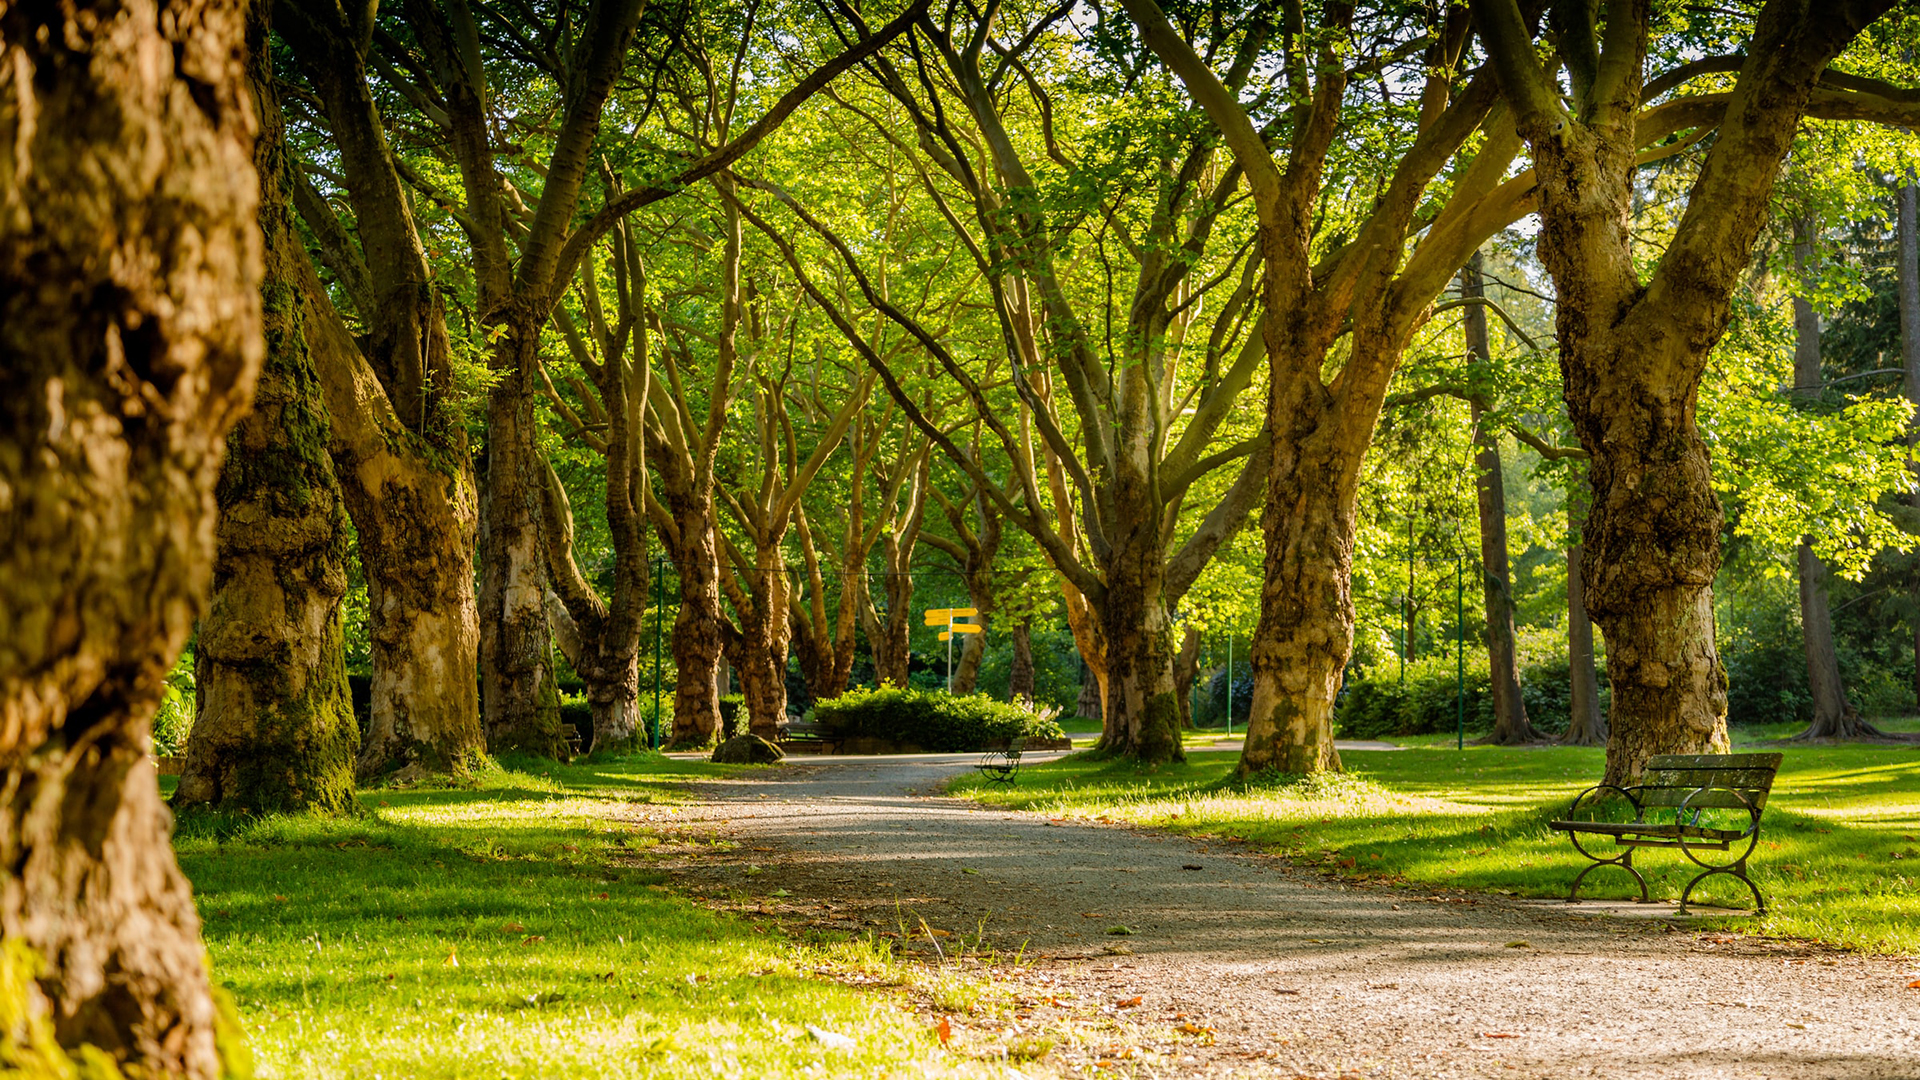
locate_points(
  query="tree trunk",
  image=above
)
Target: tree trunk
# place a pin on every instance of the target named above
(518, 695)
(1510, 724)
(1087, 707)
(1832, 716)
(608, 662)
(887, 634)
(759, 655)
(129, 345)
(399, 448)
(1586, 723)
(1907, 285)
(274, 729)
(1142, 714)
(696, 640)
(1020, 678)
(1305, 634)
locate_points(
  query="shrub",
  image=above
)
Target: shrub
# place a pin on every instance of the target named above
(1377, 704)
(937, 721)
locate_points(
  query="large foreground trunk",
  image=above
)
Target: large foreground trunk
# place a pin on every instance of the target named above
(129, 343)
(696, 649)
(274, 728)
(1141, 717)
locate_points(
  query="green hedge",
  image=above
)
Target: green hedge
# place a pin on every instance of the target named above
(937, 721)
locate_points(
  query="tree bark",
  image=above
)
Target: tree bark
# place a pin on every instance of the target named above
(518, 696)
(1907, 285)
(129, 344)
(1020, 677)
(1510, 724)
(1586, 723)
(697, 641)
(274, 729)
(888, 633)
(759, 650)
(1186, 666)
(399, 450)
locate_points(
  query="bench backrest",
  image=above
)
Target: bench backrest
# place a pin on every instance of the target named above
(1017, 745)
(1670, 778)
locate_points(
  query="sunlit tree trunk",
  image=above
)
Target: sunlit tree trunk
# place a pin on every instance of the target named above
(1020, 676)
(129, 343)
(274, 728)
(1510, 723)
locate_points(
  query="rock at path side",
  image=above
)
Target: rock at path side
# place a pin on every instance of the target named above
(747, 750)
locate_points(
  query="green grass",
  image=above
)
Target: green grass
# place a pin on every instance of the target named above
(513, 929)
(1839, 857)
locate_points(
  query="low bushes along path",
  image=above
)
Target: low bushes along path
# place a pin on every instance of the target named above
(1236, 964)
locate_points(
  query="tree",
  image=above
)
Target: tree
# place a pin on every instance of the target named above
(1634, 347)
(1586, 722)
(129, 345)
(274, 728)
(1117, 434)
(1510, 724)
(398, 441)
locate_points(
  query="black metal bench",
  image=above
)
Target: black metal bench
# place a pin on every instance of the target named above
(1733, 787)
(1001, 766)
(810, 738)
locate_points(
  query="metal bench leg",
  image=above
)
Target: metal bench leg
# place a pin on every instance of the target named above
(1624, 862)
(1738, 870)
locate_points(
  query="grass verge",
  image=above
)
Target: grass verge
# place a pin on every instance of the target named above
(512, 928)
(1839, 857)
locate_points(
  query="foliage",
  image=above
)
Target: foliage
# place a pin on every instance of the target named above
(939, 722)
(173, 721)
(1839, 861)
(1379, 704)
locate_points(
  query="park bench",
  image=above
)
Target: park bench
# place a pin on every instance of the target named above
(810, 738)
(1732, 787)
(1001, 766)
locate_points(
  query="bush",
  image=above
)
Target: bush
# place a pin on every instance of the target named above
(937, 721)
(1377, 704)
(1211, 709)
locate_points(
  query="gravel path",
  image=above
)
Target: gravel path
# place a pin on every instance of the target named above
(1245, 966)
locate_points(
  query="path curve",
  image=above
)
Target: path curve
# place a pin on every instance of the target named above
(1295, 973)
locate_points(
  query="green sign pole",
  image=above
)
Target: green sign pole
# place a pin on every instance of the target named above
(653, 728)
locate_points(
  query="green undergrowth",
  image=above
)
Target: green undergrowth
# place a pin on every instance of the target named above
(1839, 855)
(510, 926)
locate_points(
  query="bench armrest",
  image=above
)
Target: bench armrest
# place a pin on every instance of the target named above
(1639, 812)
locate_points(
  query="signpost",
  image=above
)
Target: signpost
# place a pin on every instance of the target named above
(945, 617)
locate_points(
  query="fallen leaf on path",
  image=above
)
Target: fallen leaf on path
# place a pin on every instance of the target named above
(1190, 866)
(1092, 915)
(452, 960)
(1129, 1003)
(945, 1031)
(532, 939)
(1519, 945)
(1119, 931)
(512, 928)
(1914, 985)
(1498, 1035)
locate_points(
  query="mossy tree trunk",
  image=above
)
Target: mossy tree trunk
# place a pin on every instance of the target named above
(274, 728)
(129, 345)
(399, 448)
(1586, 721)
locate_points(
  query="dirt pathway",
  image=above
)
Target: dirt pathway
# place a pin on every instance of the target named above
(1246, 967)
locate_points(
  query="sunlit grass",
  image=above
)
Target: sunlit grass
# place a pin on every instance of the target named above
(1839, 857)
(513, 929)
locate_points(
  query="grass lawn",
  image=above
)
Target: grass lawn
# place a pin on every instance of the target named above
(513, 929)
(1839, 856)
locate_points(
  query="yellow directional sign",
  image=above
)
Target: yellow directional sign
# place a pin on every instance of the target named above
(943, 616)
(945, 636)
(965, 628)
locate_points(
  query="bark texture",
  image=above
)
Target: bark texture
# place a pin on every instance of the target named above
(129, 344)
(274, 729)
(1020, 676)
(399, 451)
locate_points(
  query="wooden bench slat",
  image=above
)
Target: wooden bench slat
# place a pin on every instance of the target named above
(1716, 761)
(1712, 799)
(1744, 779)
(1629, 828)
